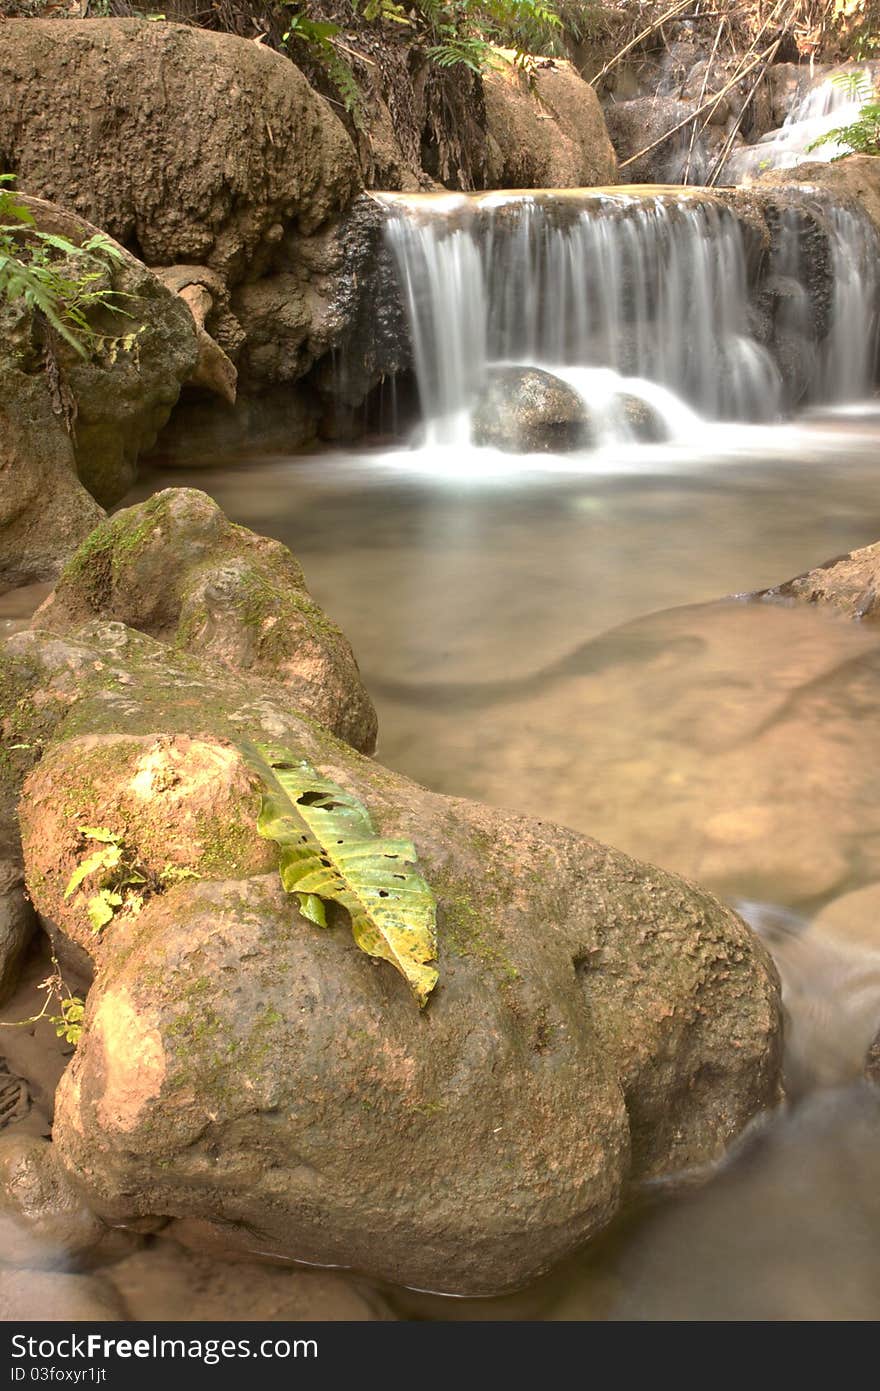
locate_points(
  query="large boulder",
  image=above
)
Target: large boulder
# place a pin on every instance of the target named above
(545, 130)
(72, 427)
(597, 1022)
(207, 166)
(527, 410)
(175, 568)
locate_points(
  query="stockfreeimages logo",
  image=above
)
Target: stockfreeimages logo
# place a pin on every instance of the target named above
(95, 1346)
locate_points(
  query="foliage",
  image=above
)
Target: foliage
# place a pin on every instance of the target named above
(68, 1023)
(116, 874)
(321, 38)
(467, 33)
(330, 852)
(862, 136)
(456, 33)
(50, 275)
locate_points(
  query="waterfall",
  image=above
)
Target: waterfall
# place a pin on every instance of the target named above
(662, 297)
(832, 103)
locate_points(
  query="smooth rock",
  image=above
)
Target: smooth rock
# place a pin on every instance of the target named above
(547, 130)
(527, 410)
(43, 1220)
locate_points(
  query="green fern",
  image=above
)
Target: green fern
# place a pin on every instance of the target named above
(49, 274)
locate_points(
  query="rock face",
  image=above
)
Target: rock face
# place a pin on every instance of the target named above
(16, 914)
(256, 151)
(175, 568)
(527, 410)
(597, 1021)
(848, 583)
(856, 177)
(69, 426)
(634, 125)
(550, 134)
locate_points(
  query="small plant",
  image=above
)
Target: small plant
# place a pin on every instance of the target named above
(69, 1021)
(68, 1024)
(52, 276)
(321, 38)
(861, 136)
(116, 873)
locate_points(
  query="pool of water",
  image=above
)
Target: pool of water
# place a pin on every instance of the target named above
(559, 637)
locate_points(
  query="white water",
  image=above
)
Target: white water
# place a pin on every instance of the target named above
(622, 295)
(832, 103)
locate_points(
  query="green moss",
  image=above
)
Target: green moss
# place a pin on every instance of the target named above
(96, 567)
(275, 611)
(461, 926)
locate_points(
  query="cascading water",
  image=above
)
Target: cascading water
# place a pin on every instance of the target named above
(832, 103)
(624, 296)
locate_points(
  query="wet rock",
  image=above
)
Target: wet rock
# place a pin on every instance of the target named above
(848, 583)
(728, 749)
(38, 1296)
(855, 177)
(241, 1066)
(329, 310)
(43, 1220)
(167, 1282)
(175, 568)
(17, 921)
(634, 125)
(245, 146)
(545, 131)
(527, 410)
(642, 419)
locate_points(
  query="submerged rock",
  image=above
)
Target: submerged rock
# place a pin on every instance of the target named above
(849, 583)
(167, 1282)
(526, 410)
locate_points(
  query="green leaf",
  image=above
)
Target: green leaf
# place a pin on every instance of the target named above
(99, 859)
(330, 852)
(100, 833)
(101, 908)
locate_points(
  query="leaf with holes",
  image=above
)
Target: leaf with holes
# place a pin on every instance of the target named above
(330, 852)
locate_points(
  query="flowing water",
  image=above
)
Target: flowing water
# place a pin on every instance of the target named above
(627, 293)
(829, 105)
(548, 637)
(549, 633)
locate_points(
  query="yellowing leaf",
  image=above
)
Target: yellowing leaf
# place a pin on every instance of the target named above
(330, 851)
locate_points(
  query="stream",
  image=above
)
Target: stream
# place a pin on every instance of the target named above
(550, 635)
